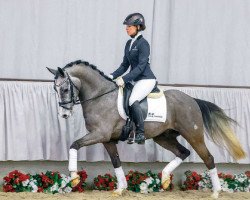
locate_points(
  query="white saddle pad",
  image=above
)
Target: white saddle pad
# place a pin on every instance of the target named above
(157, 108)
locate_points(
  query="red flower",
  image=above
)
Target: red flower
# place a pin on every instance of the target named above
(83, 175)
(24, 177)
(190, 187)
(17, 181)
(229, 176)
(97, 184)
(191, 182)
(6, 179)
(8, 188)
(111, 184)
(194, 174)
(221, 175)
(13, 174)
(40, 189)
(101, 181)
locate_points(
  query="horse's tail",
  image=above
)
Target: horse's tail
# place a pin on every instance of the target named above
(217, 125)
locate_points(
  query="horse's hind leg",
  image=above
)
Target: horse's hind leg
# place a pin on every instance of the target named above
(168, 141)
(196, 140)
(121, 179)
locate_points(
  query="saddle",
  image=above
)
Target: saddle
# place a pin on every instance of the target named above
(127, 90)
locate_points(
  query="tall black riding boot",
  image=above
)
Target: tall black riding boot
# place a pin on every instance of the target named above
(139, 122)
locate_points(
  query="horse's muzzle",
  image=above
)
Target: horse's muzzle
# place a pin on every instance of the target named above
(64, 113)
(65, 116)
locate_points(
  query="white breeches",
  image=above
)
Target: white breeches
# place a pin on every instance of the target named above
(141, 89)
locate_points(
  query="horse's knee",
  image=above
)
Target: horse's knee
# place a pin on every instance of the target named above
(75, 145)
(183, 153)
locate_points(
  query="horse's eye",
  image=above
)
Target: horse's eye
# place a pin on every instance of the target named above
(66, 90)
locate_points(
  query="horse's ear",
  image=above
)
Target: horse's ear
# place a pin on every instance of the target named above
(53, 71)
(61, 72)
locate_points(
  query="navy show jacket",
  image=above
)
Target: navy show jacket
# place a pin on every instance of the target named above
(138, 59)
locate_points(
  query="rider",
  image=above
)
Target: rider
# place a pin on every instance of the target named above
(136, 55)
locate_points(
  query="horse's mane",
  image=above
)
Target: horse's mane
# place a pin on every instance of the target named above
(77, 62)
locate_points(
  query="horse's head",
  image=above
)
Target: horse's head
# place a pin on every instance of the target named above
(67, 88)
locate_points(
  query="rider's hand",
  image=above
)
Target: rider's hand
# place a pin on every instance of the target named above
(111, 76)
(120, 82)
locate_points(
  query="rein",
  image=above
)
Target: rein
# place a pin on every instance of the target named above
(78, 101)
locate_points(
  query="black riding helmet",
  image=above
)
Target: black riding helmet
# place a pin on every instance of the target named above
(135, 19)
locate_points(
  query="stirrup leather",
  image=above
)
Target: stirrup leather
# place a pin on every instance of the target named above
(131, 138)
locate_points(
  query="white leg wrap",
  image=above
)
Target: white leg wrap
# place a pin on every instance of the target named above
(121, 179)
(72, 160)
(171, 166)
(215, 180)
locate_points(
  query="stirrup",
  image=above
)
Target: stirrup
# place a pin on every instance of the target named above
(131, 138)
(141, 140)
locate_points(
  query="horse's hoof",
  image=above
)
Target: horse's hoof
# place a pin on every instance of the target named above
(165, 182)
(75, 181)
(215, 195)
(118, 192)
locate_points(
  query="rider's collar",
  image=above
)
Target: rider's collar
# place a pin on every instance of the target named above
(136, 36)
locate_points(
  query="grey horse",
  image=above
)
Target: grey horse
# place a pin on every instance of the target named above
(81, 82)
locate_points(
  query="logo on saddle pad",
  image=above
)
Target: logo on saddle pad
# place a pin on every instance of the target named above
(156, 108)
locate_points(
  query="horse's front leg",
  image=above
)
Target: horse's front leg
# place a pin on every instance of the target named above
(89, 139)
(121, 179)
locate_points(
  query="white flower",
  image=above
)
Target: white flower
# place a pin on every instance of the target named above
(65, 180)
(67, 189)
(33, 185)
(157, 181)
(25, 183)
(144, 187)
(34, 188)
(55, 187)
(149, 180)
(60, 190)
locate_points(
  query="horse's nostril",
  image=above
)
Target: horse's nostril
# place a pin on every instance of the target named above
(65, 116)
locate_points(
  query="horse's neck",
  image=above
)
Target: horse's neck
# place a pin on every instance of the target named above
(92, 82)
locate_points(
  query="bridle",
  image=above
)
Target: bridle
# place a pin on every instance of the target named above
(73, 98)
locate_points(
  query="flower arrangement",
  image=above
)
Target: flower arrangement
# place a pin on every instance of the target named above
(14, 182)
(192, 181)
(54, 182)
(81, 186)
(106, 182)
(50, 182)
(236, 183)
(134, 179)
(205, 182)
(145, 182)
(229, 183)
